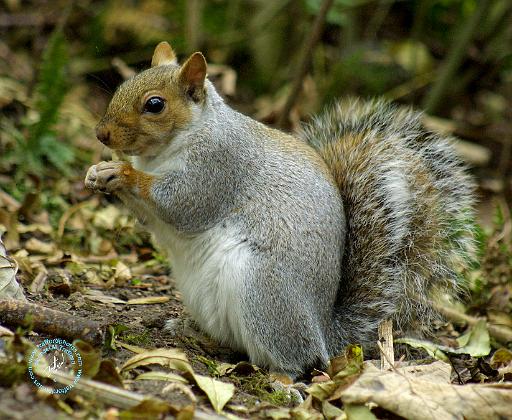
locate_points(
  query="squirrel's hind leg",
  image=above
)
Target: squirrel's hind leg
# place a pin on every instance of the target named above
(285, 337)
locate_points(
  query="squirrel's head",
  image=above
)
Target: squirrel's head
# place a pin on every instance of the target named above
(148, 109)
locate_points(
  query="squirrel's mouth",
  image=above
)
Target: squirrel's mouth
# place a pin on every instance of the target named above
(136, 150)
(133, 148)
(131, 151)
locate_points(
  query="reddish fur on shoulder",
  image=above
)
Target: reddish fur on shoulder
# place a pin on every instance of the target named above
(138, 180)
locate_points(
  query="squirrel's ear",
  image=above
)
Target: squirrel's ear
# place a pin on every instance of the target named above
(193, 73)
(163, 55)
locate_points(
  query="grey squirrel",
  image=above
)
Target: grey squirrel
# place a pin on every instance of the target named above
(286, 247)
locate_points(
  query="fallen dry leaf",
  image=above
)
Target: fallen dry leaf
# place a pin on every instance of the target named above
(501, 360)
(172, 358)
(131, 347)
(433, 350)
(98, 296)
(122, 273)
(358, 412)
(297, 413)
(39, 247)
(501, 357)
(35, 227)
(411, 397)
(475, 342)
(4, 332)
(9, 287)
(330, 411)
(218, 392)
(106, 217)
(156, 375)
(242, 368)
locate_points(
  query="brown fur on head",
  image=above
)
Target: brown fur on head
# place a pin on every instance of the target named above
(148, 109)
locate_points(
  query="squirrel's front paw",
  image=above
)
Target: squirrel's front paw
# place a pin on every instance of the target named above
(107, 177)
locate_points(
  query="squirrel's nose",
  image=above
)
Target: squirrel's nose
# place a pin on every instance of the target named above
(103, 135)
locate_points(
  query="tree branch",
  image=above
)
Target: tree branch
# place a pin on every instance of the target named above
(305, 62)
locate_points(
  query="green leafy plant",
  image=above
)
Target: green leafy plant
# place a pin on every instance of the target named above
(41, 144)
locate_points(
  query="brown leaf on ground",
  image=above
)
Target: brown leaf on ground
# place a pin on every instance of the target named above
(9, 287)
(172, 358)
(405, 394)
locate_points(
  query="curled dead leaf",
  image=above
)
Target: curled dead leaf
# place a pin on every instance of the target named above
(475, 342)
(402, 393)
(122, 273)
(171, 358)
(39, 247)
(9, 286)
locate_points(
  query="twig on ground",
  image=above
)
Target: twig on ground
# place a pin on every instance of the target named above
(49, 321)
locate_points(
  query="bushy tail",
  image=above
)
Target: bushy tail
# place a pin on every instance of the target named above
(409, 211)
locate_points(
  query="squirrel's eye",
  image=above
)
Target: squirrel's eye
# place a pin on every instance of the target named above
(154, 105)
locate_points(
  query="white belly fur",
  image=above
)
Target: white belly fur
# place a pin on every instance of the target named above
(209, 270)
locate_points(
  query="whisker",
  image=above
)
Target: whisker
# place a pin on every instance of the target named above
(105, 88)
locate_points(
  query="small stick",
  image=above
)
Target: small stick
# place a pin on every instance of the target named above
(448, 69)
(39, 281)
(122, 68)
(124, 399)
(193, 23)
(10, 202)
(385, 344)
(316, 32)
(49, 321)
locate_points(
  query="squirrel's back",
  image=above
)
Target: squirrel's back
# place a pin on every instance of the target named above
(408, 205)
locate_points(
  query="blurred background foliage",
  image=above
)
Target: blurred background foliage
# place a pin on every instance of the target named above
(61, 60)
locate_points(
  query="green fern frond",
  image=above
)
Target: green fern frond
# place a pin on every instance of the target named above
(49, 93)
(58, 154)
(51, 86)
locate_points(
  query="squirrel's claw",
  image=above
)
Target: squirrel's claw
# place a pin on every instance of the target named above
(105, 177)
(90, 178)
